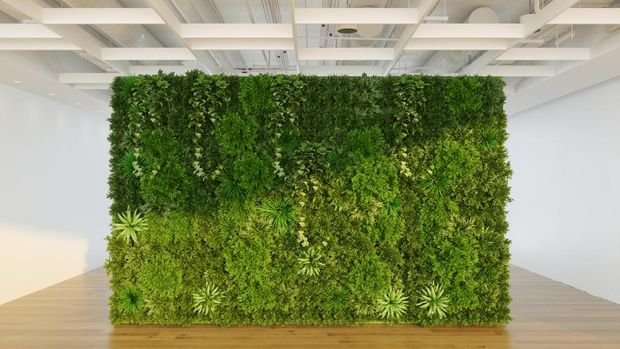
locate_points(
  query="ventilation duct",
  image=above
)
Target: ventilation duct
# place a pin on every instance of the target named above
(446, 62)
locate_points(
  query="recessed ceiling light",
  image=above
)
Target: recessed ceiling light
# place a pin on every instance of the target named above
(78, 103)
(52, 94)
(17, 81)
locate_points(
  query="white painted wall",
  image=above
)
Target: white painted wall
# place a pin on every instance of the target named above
(565, 217)
(53, 187)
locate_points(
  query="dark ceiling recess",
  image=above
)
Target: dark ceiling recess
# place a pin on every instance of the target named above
(347, 29)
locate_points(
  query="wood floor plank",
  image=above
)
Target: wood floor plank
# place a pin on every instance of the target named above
(546, 315)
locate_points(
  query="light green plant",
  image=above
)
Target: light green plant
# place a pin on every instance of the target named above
(310, 262)
(207, 299)
(130, 301)
(365, 307)
(393, 304)
(280, 213)
(129, 225)
(434, 300)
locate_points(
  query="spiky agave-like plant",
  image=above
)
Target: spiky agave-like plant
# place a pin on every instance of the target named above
(433, 298)
(393, 206)
(280, 213)
(129, 225)
(127, 164)
(310, 262)
(207, 299)
(393, 304)
(130, 300)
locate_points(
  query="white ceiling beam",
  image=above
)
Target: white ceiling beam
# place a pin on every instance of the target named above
(605, 46)
(241, 44)
(531, 23)
(518, 70)
(154, 69)
(346, 54)
(588, 16)
(357, 15)
(26, 31)
(29, 8)
(173, 23)
(293, 14)
(91, 86)
(108, 78)
(350, 70)
(146, 54)
(545, 54)
(72, 33)
(581, 75)
(112, 15)
(37, 45)
(42, 79)
(469, 31)
(424, 9)
(534, 22)
(235, 31)
(87, 78)
(456, 44)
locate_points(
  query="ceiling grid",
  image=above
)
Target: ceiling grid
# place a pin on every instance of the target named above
(292, 36)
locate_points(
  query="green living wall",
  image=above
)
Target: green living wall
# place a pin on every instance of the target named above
(308, 200)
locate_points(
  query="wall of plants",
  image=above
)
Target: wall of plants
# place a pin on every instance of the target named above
(308, 200)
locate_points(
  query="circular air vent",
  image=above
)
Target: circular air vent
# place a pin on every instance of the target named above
(346, 28)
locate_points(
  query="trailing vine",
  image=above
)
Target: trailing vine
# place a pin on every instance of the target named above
(197, 121)
(157, 90)
(367, 106)
(209, 98)
(409, 101)
(138, 106)
(288, 95)
(218, 98)
(309, 160)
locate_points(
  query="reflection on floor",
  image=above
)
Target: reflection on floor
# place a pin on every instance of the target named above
(547, 314)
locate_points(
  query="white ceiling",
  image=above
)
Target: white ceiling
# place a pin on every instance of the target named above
(70, 50)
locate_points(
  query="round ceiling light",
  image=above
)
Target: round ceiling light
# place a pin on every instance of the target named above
(346, 28)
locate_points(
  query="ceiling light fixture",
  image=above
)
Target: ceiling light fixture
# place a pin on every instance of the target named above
(17, 81)
(347, 28)
(51, 94)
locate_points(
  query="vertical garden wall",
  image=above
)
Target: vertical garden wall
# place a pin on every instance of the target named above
(308, 200)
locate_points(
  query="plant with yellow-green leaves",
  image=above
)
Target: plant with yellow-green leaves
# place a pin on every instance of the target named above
(128, 225)
(433, 299)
